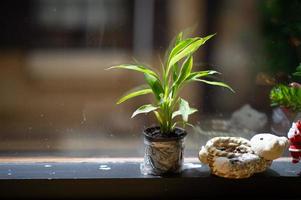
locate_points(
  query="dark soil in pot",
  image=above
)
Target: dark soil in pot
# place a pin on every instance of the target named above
(155, 134)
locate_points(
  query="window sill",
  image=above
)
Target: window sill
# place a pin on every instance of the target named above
(121, 178)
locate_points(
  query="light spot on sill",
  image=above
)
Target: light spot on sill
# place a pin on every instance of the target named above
(47, 166)
(192, 165)
(104, 167)
(291, 171)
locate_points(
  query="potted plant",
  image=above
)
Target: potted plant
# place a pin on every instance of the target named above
(164, 142)
(287, 98)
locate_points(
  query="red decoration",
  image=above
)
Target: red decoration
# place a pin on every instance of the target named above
(294, 136)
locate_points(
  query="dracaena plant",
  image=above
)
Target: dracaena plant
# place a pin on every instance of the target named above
(168, 107)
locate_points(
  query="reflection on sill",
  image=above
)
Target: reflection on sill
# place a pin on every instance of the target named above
(61, 159)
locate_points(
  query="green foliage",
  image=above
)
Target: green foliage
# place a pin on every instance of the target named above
(285, 96)
(281, 26)
(298, 71)
(176, 72)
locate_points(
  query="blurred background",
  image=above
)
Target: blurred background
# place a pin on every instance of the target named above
(56, 98)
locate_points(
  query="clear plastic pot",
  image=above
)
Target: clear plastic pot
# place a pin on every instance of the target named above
(163, 155)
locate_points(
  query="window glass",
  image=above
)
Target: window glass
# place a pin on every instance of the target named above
(57, 99)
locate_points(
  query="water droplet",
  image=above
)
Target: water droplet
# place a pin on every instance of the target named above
(47, 166)
(84, 118)
(52, 173)
(9, 174)
(104, 167)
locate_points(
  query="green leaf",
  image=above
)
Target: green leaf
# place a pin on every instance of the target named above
(180, 46)
(199, 74)
(155, 85)
(184, 110)
(183, 124)
(177, 50)
(184, 48)
(186, 69)
(158, 116)
(135, 67)
(134, 94)
(216, 83)
(176, 113)
(172, 44)
(144, 109)
(183, 74)
(298, 71)
(297, 74)
(179, 38)
(175, 72)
